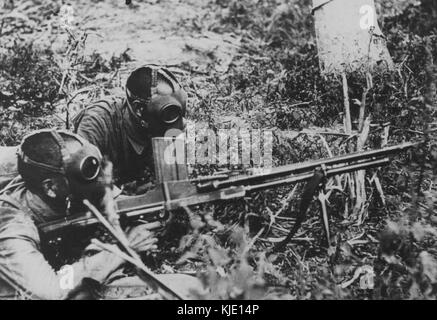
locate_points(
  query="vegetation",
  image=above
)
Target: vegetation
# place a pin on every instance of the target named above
(272, 81)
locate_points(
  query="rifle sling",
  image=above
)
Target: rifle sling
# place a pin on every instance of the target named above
(310, 189)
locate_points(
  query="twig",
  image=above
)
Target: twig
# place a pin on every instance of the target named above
(363, 102)
(279, 240)
(122, 239)
(385, 136)
(1, 26)
(286, 218)
(300, 104)
(348, 123)
(325, 144)
(325, 219)
(252, 242)
(285, 204)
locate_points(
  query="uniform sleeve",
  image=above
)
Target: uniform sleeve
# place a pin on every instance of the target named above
(25, 269)
(95, 125)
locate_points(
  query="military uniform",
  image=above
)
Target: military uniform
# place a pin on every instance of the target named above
(108, 125)
(8, 165)
(24, 272)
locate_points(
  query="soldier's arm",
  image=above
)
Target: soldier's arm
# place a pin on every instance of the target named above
(24, 267)
(26, 270)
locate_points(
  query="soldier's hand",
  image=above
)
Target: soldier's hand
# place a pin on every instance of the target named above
(141, 238)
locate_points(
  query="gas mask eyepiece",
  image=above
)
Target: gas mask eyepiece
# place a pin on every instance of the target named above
(171, 113)
(89, 168)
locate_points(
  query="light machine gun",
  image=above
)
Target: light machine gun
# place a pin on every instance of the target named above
(171, 195)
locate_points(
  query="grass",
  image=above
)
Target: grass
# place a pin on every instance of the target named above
(274, 82)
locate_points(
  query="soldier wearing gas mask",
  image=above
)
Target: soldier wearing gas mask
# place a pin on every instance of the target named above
(59, 170)
(122, 129)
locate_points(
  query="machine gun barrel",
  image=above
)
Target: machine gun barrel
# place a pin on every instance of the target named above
(308, 166)
(328, 173)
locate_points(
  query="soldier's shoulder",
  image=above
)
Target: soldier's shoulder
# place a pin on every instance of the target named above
(104, 112)
(110, 106)
(16, 224)
(110, 103)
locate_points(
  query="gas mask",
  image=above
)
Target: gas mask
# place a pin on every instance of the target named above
(81, 168)
(156, 111)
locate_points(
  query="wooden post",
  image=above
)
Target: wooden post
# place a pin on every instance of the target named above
(349, 37)
(169, 159)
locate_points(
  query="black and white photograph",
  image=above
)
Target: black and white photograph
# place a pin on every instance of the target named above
(241, 151)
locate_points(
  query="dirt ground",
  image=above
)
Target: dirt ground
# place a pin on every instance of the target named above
(165, 33)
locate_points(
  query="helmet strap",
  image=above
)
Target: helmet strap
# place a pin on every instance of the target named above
(131, 109)
(64, 152)
(65, 158)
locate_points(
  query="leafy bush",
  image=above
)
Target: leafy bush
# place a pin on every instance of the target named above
(28, 80)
